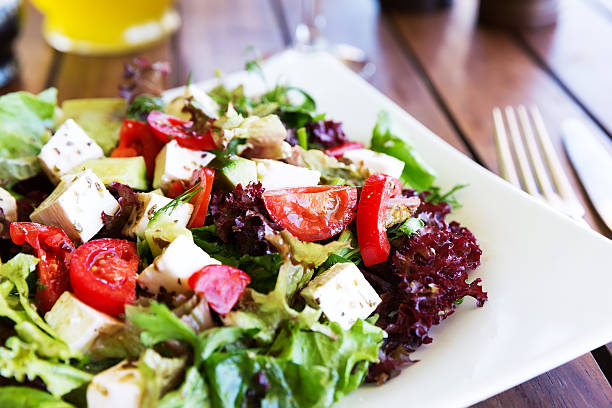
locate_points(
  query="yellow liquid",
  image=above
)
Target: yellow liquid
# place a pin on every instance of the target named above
(106, 26)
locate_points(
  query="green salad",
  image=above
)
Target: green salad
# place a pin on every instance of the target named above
(218, 250)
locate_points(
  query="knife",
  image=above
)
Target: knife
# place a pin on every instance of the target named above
(593, 164)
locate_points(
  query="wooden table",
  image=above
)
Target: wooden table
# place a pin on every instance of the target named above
(441, 67)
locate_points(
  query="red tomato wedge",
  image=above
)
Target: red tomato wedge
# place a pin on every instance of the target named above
(137, 139)
(103, 274)
(221, 285)
(312, 213)
(338, 151)
(372, 216)
(53, 248)
(205, 178)
(167, 127)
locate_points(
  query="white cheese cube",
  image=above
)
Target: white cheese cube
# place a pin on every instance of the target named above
(148, 204)
(171, 270)
(343, 294)
(118, 386)
(8, 204)
(76, 205)
(274, 174)
(77, 323)
(178, 163)
(375, 163)
(68, 147)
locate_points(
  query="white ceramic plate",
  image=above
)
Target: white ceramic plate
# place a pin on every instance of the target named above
(547, 277)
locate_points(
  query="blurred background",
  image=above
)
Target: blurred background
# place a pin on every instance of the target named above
(446, 62)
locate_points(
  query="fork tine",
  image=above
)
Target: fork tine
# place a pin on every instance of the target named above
(541, 173)
(521, 155)
(573, 207)
(506, 164)
(559, 177)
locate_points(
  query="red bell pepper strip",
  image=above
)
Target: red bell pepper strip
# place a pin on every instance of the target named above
(137, 139)
(53, 249)
(338, 151)
(372, 217)
(204, 178)
(221, 285)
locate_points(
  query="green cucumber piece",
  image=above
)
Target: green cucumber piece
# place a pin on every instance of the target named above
(125, 170)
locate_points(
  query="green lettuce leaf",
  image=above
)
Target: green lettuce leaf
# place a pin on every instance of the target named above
(193, 393)
(29, 326)
(417, 174)
(19, 360)
(25, 120)
(347, 353)
(332, 170)
(241, 379)
(158, 375)
(158, 324)
(24, 397)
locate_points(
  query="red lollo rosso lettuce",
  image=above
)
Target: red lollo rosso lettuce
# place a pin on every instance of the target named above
(321, 134)
(128, 201)
(241, 218)
(421, 284)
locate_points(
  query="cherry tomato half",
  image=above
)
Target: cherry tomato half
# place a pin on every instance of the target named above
(372, 218)
(167, 127)
(137, 139)
(312, 213)
(221, 285)
(53, 248)
(103, 274)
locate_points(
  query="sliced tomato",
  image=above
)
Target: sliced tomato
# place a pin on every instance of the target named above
(167, 127)
(137, 139)
(221, 285)
(372, 218)
(176, 189)
(205, 178)
(312, 213)
(53, 248)
(338, 151)
(103, 274)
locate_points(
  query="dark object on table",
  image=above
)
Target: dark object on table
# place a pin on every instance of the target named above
(519, 13)
(415, 5)
(9, 11)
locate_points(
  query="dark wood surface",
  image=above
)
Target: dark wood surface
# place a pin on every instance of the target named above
(441, 67)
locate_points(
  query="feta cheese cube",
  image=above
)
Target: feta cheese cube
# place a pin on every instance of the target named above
(343, 294)
(274, 174)
(148, 203)
(8, 204)
(77, 323)
(177, 163)
(118, 386)
(68, 147)
(171, 270)
(76, 205)
(375, 162)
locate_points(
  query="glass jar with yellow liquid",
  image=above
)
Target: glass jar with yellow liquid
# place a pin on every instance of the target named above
(106, 26)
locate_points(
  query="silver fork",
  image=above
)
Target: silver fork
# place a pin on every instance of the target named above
(542, 178)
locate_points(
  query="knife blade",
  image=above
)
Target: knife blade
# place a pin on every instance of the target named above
(593, 164)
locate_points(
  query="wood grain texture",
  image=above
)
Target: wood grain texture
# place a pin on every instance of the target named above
(578, 384)
(577, 50)
(215, 35)
(359, 23)
(477, 68)
(85, 76)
